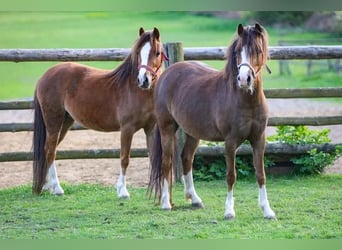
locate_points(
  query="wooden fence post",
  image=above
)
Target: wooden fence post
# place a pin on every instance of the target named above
(175, 53)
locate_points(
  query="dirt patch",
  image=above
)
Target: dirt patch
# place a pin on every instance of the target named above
(106, 171)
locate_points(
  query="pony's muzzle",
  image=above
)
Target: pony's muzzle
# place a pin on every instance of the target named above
(246, 76)
(245, 81)
(144, 80)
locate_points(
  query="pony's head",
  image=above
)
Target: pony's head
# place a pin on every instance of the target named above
(251, 54)
(150, 57)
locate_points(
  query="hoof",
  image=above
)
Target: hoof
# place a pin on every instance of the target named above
(166, 209)
(122, 192)
(229, 217)
(271, 217)
(198, 205)
(58, 191)
(124, 197)
(268, 213)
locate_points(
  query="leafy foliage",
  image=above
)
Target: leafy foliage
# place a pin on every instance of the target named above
(300, 135)
(208, 169)
(314, 162)
(214, 168)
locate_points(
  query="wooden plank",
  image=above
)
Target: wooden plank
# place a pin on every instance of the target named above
(275, 52)
(305, 52)
(303, 93)
(32, 55)
(196, 53)
(270, 93)
(271, 148)
(272, 121)
(305, 120)
(75, 154)
(174, 52)
(20, 127)
(16, 104)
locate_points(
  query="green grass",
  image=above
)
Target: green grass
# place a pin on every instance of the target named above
(119, 30)
(306, 208)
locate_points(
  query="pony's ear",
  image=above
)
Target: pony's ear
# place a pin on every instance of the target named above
(258, 27)
(141, 31)
(240, 29)
(156, 33)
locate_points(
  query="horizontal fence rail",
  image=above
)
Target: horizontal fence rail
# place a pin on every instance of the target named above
(212, 151)
(272, 121)
(198, 53)
(269, 93)
(303, 93)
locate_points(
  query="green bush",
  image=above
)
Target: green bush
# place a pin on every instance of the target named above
(314, 162)
(207, 169)
(300, 135)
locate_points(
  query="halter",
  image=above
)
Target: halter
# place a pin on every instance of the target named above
(150, 69)
(254, 74)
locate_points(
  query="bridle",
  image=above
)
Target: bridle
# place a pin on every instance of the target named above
(153, 72)
(254, 73)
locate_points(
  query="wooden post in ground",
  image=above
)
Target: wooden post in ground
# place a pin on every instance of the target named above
(175, 53)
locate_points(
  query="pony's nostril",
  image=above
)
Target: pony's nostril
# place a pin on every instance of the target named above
(238, 78)
(145, 80)
(249, 80)
(145, 84)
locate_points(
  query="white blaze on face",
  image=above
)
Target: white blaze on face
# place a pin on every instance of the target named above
(244, 71)
(142, 76)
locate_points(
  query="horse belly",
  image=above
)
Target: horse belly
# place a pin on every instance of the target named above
(199, 126)
(95, 119)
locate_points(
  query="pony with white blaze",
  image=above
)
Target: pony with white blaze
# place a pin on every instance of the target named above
(102, 100)
(227, 105)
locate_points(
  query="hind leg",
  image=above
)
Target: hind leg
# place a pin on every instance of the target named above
(167, 143)
(126, 141)
(52, 183)
(188, 154)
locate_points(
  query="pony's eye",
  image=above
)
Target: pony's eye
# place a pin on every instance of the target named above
(157, 53)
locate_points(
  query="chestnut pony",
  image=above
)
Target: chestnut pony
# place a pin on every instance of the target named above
(227, 105)
(103, 100)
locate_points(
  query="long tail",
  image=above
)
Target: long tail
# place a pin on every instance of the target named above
(156, 168)
(39, 158)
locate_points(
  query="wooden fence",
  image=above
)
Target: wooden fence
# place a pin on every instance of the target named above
(176, 52)
(332, 65)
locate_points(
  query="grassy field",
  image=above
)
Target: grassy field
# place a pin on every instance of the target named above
(306, 208)
(119, 30)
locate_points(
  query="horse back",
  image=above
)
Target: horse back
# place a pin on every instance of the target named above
(91, 97)
(206, 104)
(190, 93)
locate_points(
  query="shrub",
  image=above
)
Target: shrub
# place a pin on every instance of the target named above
(300, 135)
(314, 162)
